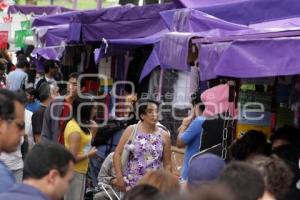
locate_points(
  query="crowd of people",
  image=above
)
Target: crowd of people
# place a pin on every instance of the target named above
(46, 149)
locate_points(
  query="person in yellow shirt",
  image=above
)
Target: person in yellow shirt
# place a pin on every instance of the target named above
(78, 134)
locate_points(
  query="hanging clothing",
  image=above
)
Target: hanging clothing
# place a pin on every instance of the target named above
(182, 90)
(216, 101)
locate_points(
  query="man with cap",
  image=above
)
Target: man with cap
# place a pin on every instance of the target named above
(204, 168)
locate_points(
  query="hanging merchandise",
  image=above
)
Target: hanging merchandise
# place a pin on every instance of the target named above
(3, 39)
(182, 90)
(153, 85)
(186, 85)
(105, 67)
(295, 101)
(105, 91)
(25, 31)
(19, 38)
(255, 104)
(284, 115)
(25, 25)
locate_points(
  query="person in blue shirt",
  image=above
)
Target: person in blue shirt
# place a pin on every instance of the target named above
(190, 133)
(11, 130)
(15, 78)
(48, 171)
(33, 104)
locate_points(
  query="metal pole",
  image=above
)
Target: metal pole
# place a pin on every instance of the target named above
(99, 4)
(160, 84)
(74, 4)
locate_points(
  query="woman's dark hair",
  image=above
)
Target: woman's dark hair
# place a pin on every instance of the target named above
(82, 109)
(31, 75)
(251, 143)
(142, 192)
(44, 157)
(143, 105)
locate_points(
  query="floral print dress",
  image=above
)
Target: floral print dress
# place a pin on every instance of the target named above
(146, 152)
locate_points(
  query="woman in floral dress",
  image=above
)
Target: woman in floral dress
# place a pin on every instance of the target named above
(150, 149)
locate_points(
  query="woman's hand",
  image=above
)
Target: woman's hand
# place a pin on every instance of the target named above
(92, 152)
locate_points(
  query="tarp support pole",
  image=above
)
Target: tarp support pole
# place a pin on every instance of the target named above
(74, 4)
(99, 4)
(160, 84)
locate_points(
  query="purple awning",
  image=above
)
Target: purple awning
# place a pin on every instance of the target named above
(203, 3)
(260, 58)
(56, 36)
(278, 24)
(242, 11)
(176, 44)
(119, 22)
(52, 20)
(208, 59)
(151, 39)
(151, 63)
(54, 53)
(52, 35)
(37, 10)
(174, 51)
(188, 20)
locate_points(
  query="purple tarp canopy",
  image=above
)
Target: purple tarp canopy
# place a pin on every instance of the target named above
(118, 22)
(188, 20)
(151, 39)
(242, 11)
(55, 36)
(251, 59)
(215, 58)
(37, 10)
(62, 18)
(54, 53)
(203, 3)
